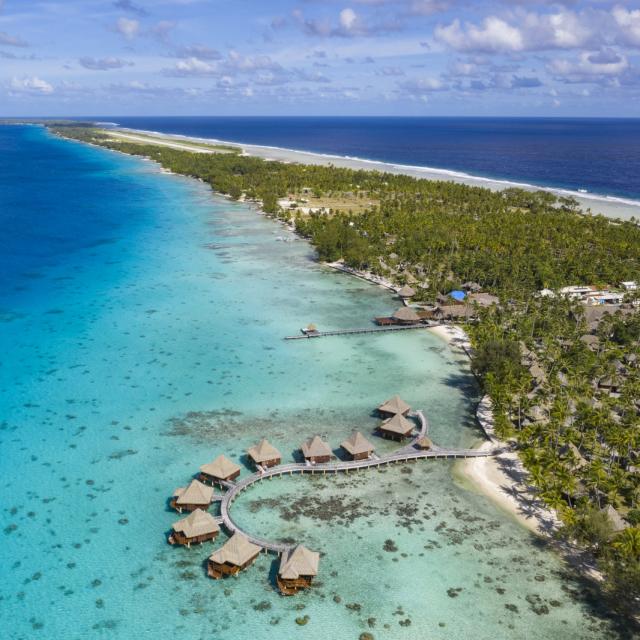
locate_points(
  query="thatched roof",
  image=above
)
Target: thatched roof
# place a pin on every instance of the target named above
(298, 562)
(424, 443)
(616, 520)
(471, 286)
(237, 550)
(406, 314)
(264, 450)
(221, 467)
(357, 444)
(483, 299)
(398, 424)
(394, 405)
(537, 373)
(457, 311)
(311, 327)
(197, 523)
(406, 291)
(195, 493)
(315, 447)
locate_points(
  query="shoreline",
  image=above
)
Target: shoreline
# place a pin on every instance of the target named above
(609, 206)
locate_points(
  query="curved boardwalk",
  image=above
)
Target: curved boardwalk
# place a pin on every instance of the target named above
(405, 454)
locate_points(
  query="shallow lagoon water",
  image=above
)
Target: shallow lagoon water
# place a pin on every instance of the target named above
(130, 359)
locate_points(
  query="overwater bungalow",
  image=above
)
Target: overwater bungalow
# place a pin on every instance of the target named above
(310, 330)
(196, 496)
(357, 446)
(396, 428)
(406, 315)
(424, 443)
(316, 450)
(198, 527)
(298, 567)
(235, 555)
(393, 406)
(264, 454)
(406, 292)
(220, 469)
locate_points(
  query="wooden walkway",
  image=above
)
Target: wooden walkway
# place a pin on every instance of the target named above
(348, 332)
(407, 453)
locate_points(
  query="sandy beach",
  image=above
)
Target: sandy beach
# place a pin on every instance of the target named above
(609, 206)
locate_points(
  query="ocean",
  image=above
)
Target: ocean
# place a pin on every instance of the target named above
(141, 326)
(599, 155)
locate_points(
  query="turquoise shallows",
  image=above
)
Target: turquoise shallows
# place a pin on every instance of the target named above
(141, 336)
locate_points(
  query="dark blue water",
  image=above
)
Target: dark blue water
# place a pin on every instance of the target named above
(600, 155)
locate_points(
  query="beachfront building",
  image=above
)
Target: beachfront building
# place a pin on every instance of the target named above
(424, 443)
(405, 316)
(396, 428)
(264, 454)
(198, 527)
(316, 450)
(406, 292)
(196, 496)
(357, 447)
(393, 406)
(298, 567)
(235, 555)
(220, 469)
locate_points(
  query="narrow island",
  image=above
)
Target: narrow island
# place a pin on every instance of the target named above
(546, 292)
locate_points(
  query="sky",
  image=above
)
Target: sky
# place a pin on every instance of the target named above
(320, 57)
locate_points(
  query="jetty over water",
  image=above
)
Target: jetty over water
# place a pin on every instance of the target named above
(411, 452)
(346, 332)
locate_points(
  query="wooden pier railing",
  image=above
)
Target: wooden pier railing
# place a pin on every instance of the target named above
(347, 332)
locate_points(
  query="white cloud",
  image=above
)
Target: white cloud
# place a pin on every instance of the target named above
(590, 67)
(348, 19)
(492, 36)
(32, 85)
(629, 24)
(128, 28)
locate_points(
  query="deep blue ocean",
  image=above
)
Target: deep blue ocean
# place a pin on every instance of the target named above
(599, 155)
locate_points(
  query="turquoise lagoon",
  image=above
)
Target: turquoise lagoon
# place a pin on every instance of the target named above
(141, 335)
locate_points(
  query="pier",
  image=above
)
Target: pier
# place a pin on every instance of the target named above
(348, 332)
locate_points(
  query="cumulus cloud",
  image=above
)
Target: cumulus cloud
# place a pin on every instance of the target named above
(605, 65)
(629, 24)
(128, 28)
(200, 51)
(524, 32)
(419, 86)
(11, 41)
(30, 85)
(525, 82)
(349, 24)
(103, 64)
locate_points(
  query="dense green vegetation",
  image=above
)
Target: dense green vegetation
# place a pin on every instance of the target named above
(570, 404)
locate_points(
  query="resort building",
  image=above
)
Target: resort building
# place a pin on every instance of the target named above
(357, 447)
(406, 292)
(196, 496)
(424, 443)
(220, 469)
(298, 567)
(316, 450)
(483, 299)
(618, 523)
(406, 315)
(394, 406)
(264, 454)
(198, 527)
(235, 555)
(396, 428)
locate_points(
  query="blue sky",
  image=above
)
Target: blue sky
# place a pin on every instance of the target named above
(357, 57)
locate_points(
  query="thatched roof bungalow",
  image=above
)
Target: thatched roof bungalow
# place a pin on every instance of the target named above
(618, 523)
(406, 291)
(235, 555)
(316, 450)
(264, 454)
(406, 315)
(196, 496)
(357, 446)
(298, 567)
(396, 428)
(393, 406)
(220, 469)
(198, 527)
(424, 443)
